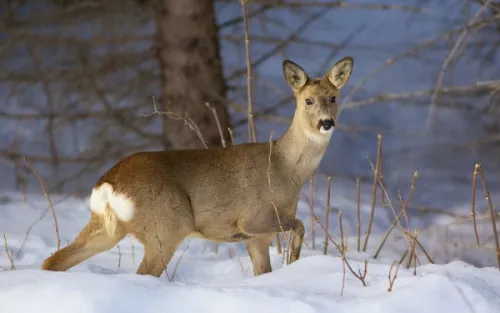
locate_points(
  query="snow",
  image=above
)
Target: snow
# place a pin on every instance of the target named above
(200, 279)
(311, 284)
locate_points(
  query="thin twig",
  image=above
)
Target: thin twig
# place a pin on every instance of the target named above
(175, 116)
(403, 256)
(327, 214)
(449, 59)
(341, 228)
(387, 233)
(374, 191)
(415, 252)
(161, 258)
(424, 251)
(132, 247)
(393, 278)
(119, 256)
(473, 210)
(219, 127)
(179, 260)
(311, 210)
(223, 143)
(343, 274)
(272, 196)
(361, 277)
(231, 135)
(251, 123)
(404, 206)
(492, 212)
(358, 212)
(383, 200)
(51, 205)
(10, 255)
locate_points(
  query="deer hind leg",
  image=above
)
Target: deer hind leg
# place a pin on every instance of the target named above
(258, 250)
(93, 239)
(158, 251)
(272, 225)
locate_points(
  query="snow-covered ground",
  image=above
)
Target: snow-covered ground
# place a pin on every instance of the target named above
(200, 279)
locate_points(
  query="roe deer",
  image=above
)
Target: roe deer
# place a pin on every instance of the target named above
(220, 194)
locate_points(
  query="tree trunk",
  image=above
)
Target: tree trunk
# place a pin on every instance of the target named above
(191, 67)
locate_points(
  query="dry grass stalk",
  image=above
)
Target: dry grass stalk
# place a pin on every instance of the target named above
(252, 132)
(311, 210)
(392, 278)
(383, 199)
(374, 192)
(245, 271)
(473, 204)
(403, 256)
(132, 248)
(222, 142)
(272, 197)
(342, 253)
(178, 262)
(429, 259)
(404, 207)
(388, 232)
(403, 211)
(30, 228)
(492, 212)
(327, 233)
(51, 205)
(327, 213)
(415, 257)
(119, 256)
(411, 251)
(219, 127)
(343, 274)
(358, 212)
(10, 255)
(230, 131)
(176, 116)
(161, 258)
(341, 228)
(279, 250)
(251, 123)
(413, 254)
(359, 275)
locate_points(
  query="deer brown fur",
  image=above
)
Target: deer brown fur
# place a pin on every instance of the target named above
(222, 195)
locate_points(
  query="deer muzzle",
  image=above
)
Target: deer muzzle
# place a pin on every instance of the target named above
(325, 125)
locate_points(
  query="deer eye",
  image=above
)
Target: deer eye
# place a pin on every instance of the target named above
(309, 101)
(332, 99)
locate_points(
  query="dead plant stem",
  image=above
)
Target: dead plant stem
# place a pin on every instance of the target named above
(492, 213)
(473, 204)
(51, 205)
(358, 212)
(374, 192)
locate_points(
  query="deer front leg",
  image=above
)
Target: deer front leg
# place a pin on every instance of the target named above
(268, 225)
(258, 250)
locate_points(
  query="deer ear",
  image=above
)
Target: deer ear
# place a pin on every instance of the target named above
(340, 72)
(295, 76)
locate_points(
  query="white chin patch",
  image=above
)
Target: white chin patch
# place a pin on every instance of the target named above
(326, 131)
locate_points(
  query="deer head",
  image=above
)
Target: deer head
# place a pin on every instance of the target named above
(316, 110)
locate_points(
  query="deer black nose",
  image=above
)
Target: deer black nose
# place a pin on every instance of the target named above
(327, 124)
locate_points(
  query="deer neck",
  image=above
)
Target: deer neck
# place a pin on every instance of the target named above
(300, 151)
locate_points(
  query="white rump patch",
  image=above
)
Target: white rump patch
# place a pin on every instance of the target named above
(104, 195)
